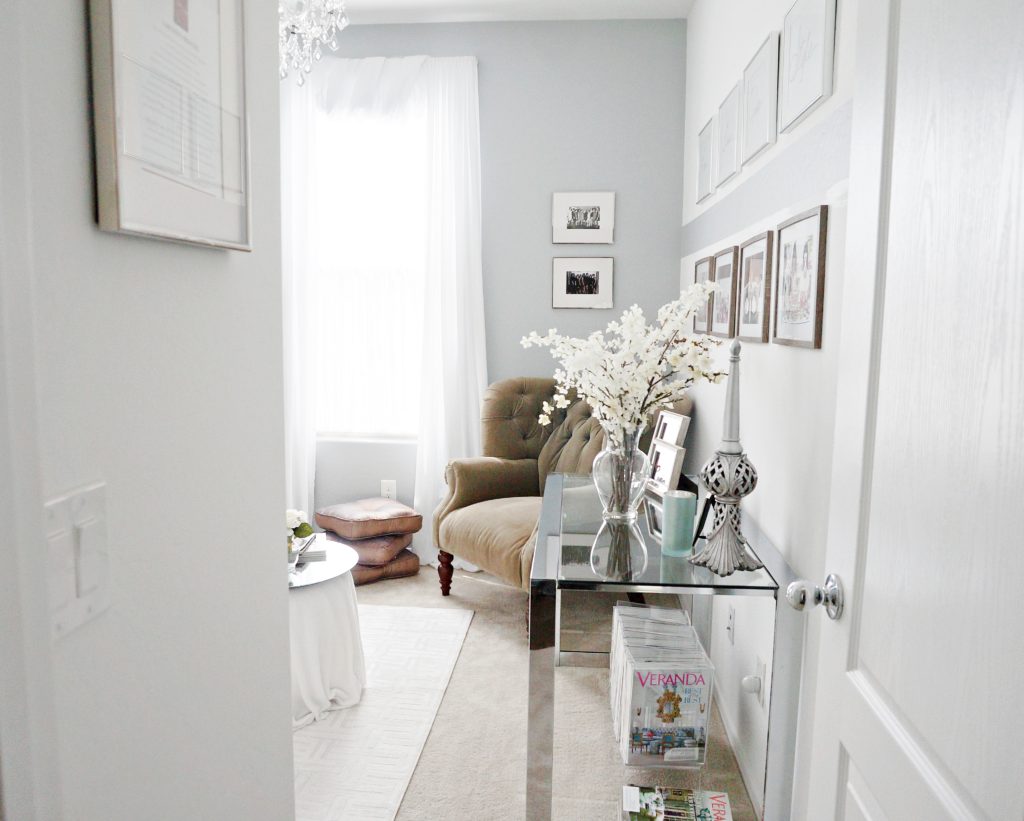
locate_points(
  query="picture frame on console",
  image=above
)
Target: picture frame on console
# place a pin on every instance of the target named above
(800, 278)
(806, 63)
(671, 427)
(666, 466)
(583, 217)
(753, 308)
(655, 516)
(759, 107)
(582, 282)
(703, 271)
(723, 301)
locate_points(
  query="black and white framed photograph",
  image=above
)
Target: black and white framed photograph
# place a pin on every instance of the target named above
(723, 300)
(666, 466)
(703, 271)
(806, 64)
(175, 170)
(655, 516)
(671, 427)
(755, 288)
(727, 137)
(581, 282)
(583, 217)
(800, 279)
(705, 152)
(759, 109)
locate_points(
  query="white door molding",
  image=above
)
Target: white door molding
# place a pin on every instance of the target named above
(29, 773)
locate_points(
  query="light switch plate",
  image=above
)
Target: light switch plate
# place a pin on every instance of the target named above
(78, 564)
(389, 488)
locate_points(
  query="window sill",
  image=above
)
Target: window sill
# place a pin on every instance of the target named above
(367, 438)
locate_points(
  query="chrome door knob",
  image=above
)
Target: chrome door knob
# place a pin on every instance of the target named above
(802, 593)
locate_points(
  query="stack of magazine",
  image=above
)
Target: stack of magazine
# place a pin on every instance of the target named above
(660, 688)
(665, 804)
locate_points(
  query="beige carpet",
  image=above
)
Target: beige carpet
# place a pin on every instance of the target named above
(474, 763)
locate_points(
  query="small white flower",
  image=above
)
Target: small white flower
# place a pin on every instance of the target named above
(544, 419)
(293, 518)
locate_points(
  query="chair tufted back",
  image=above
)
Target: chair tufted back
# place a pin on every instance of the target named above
(568, 445)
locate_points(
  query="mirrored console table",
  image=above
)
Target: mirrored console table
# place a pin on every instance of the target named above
(573, 553)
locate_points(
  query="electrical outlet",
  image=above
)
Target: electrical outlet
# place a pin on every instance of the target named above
(730, 625)
(389, 488)
(760, 673)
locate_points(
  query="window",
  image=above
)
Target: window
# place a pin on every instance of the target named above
(368, 218)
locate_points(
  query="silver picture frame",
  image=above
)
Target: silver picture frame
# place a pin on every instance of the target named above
(172, 135)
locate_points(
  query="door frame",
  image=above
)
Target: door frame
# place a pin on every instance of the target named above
(30, 784)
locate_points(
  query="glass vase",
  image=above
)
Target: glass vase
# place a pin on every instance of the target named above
(620, 474)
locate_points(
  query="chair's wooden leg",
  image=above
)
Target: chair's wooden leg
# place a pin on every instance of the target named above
(445, 571)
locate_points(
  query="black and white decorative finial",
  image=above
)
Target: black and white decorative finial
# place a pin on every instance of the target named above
(728, 477)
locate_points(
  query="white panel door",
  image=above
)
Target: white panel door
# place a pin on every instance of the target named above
(919, 702)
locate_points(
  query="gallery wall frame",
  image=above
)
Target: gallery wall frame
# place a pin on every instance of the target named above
(722, 319)
(583, 217)
(171, 122)
(727, 137)
(703, 271)
(705, 160)
(800, 254)
(582, 282)
(759, 106)
(807, 60)
(754, 302)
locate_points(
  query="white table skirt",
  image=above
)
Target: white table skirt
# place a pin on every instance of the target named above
(328, 671)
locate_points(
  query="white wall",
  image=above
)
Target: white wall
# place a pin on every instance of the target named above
(158, 371)
(788, 394)
(722, 37)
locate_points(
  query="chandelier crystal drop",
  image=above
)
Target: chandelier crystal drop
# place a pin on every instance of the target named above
(306, 26)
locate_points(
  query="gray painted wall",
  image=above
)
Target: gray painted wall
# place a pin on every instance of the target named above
(565, 106)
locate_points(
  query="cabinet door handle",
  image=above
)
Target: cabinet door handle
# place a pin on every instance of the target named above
(802, 593)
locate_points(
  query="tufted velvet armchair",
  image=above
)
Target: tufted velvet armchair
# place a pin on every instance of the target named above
(490, 514)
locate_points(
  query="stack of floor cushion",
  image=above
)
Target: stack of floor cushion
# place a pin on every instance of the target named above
(380, 531)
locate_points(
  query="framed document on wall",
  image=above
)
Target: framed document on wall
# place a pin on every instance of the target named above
(169, 109)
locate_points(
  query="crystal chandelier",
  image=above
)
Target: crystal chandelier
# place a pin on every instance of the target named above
(306, 26)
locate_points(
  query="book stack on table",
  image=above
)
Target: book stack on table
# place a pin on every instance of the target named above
(666, 804)
(660, 688)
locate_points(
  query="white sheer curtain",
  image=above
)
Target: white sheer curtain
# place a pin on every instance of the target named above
(298, 300)
(386, 209)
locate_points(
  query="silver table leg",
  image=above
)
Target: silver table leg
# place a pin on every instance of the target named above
(540, 728)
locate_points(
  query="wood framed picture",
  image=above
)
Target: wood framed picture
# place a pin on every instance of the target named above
(666, 465)
(806, 64)
(727, 138)
(671, 427)
(800, 278)
(753, 309)
(723, 301)
(169, 112)
(705, 152)
(703, 271)
(759, 108)
(583, 217)
(582, 282)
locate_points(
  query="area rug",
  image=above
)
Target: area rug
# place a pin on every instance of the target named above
(356, 763)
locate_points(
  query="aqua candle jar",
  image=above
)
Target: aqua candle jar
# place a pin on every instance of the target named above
(679, 510)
